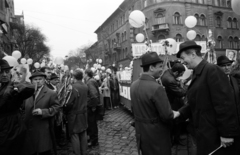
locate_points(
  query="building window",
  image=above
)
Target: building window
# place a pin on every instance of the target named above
(126, 52)
(224, 3)
(200, 1)
(230, 41)
(229, 3)
(160, 18)
(229, 22)
(177, 18)
(203, 38)
(125, 35)
(198, 38)
(235, 23)
(161, 37)
(236, 43)
(145, 3)
(179, 38)
(218, 21)
(220, 42)
(197, 17)
(202, 20)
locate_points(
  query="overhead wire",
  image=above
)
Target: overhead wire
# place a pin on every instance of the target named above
(60, 16)
(62, 26)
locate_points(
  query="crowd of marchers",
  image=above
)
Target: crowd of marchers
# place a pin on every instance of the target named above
(40, 114)
(207, 104)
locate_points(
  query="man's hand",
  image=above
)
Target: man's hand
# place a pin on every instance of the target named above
(176, 114)
(37, 111)
(226, 141)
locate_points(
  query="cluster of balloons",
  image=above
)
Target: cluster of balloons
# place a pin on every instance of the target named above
(191, 22)
(137, 20)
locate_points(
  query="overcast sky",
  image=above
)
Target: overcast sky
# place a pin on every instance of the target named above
(67, 24)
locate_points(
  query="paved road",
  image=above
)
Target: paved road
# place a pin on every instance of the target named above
(117, 137)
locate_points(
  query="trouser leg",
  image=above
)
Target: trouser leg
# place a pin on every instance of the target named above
(75, 144)
(83, 142)
(92, 126)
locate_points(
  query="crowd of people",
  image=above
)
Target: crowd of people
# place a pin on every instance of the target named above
(208, 105)
(52, 107)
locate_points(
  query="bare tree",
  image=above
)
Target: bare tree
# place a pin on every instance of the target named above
(30, 41)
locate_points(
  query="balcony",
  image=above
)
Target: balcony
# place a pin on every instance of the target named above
(160, 27)
(117, 47)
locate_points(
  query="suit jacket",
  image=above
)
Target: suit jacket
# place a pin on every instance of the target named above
(173, 90)
(39, 128)
(211, 108)
(93, 92)
(153, 114)
(77, 108)
(236, 87)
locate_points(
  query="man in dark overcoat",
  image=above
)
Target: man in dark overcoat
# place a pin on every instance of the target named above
(76, 108)
(12, 128)
(226, 65)
(176, 94)
(151, 109)
(40, 110)
(92, 103)
(211, 106)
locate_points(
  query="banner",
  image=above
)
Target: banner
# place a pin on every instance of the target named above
(139, 49)
(125, 75)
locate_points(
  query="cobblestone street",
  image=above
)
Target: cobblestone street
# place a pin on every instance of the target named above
(117, 136)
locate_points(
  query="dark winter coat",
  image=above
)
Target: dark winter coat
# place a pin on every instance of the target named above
(211, 108)
(12, 128)
(77, 108)
(152, 113)
(93, 93)
(174, 92)
(40, 128)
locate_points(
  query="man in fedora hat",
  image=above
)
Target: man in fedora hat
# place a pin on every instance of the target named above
(39, 112)
(12, 129)
(54, 80)
(211, 107)
(151, 109)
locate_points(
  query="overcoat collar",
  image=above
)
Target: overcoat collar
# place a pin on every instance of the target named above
(234, 84)
(147, 77)
(198, 70)
(41, 94)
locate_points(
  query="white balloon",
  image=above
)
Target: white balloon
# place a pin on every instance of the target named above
(140, 37)
(59, 60)
(29, 61)
(11, 61)
(191, 35)
(236, 6)
(93, 69)
(95, 65)
(172, 46)
(102, 68)
(16, 54)
(36, 65)
(66, 68)
(100, 60)
(137, 18)
(191, 21)
(43, 64)
(23, 61)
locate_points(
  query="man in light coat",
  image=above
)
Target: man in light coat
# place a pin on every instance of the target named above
(151, 109)
(39, 112)
(76, 108)
(211, 106)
